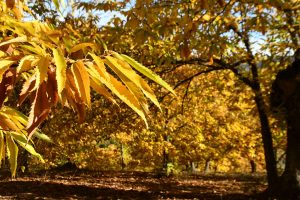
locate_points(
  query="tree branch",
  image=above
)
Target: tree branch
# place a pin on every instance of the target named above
(190, 79)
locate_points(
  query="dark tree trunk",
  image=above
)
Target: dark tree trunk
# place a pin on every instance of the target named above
(267, 142)
(166, 157)
(253, 166)
(286, 96)
(290, 179)
(123, 165)
(266, 133)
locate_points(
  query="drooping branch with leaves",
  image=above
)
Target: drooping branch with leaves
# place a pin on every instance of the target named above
(61, 66)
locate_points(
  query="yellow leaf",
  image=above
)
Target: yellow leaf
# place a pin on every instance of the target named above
(41, 71)
(100, 89)
(14, 40)
(4, 65)
(127, 70)
(147, 72)
(34, 49)
(40, 109)
(12, 122)
(56, 3)
(16, 115)
(27, 89)
(129, 78)
(73, 97)
(206, 17)
(118, 88)
(61, 67)
(81, 46)
(25, 63)
(125, 95)
(82, 81)
(2, 54)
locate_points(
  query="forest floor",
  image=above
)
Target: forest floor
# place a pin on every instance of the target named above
(131, 185)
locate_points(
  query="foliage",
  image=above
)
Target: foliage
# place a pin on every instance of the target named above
(209, 124)
(60, 65)
(221, 56)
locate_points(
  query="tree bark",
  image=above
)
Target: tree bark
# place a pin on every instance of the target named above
(192, 167)
(123, 165)
(290, 179)
(270, 160)
(253, 166)
(266, 133)
(207, 166)
(286, 96)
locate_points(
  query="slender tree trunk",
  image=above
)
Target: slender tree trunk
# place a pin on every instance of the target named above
(216, 168)
(207, 166)
(270, 160)
(253, 166)
(122, 157)
(261, 107)
(192, 167)
(166, 158)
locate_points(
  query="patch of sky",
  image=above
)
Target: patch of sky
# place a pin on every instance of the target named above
(257, 40)
(104, 17)
(66, 7)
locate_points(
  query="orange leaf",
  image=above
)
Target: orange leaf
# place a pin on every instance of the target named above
(39, 110)
(28, 88)
(10, 3)
(52, 87)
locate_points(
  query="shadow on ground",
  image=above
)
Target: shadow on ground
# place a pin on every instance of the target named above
(127, 186)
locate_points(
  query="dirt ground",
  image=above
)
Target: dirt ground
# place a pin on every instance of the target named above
(131, 185)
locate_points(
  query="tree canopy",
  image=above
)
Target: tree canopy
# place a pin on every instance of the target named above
(220, 57)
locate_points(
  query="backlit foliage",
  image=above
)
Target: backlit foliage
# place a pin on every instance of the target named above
(218, 54)
(60, 65)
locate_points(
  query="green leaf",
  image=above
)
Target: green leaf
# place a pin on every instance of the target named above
(61, 67)
(13, 154)
(42, 136)
(22, 141)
